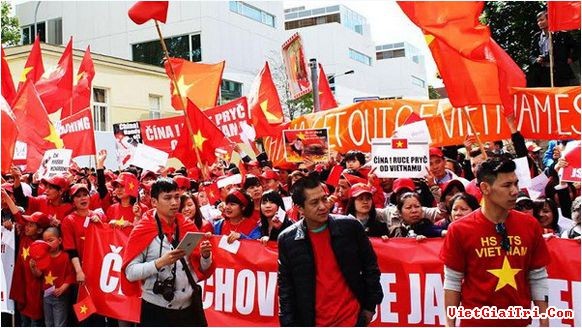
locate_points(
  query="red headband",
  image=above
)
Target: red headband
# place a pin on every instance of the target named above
(239, 195)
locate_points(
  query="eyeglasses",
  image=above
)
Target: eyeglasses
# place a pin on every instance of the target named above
(500, 229)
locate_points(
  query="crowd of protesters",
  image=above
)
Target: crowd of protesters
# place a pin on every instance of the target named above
(256, 205)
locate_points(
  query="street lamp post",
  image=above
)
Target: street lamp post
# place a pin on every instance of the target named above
(341, 74)
(314, 84)
(35, 28)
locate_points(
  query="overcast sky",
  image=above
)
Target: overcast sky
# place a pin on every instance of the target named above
(388, 24)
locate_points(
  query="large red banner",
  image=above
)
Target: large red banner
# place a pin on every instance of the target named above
(77, 133)
(230, 117)
(102, 259)
(162, 133)
(243, 289)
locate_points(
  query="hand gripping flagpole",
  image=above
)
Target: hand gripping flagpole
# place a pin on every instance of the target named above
(184, 104)
(475, 132)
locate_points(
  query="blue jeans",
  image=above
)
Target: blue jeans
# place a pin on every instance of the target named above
(56, 310)
(28, 322)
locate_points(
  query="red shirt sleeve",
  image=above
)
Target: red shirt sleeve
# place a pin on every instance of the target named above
(68, 230)
(452, 253)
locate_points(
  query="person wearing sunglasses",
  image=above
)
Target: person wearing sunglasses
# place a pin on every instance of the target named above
(496, 256)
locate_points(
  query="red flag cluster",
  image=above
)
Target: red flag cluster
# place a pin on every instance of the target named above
(563, 15)
(475, 70)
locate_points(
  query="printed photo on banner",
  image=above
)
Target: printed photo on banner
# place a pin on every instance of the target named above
(296, 67)
(399, 157)
(306, 145)
(55, 161)
(127, 137)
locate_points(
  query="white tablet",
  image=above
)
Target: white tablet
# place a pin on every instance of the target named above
(190, 241)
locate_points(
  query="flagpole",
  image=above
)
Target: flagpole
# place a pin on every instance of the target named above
(551, 46)
(481, 146)
(184, 105)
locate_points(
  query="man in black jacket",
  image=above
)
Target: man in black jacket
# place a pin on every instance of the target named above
(328, 272)
(565, 52)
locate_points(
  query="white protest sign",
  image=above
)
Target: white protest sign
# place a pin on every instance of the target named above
(413, 131)
(20, 150)
(8, 245)
(400, 158)
(522, 172)
(148, 158)
(55, 161)
(538, 186)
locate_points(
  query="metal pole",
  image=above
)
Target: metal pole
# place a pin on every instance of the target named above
(35, 12)
(551, 48)
(314, 84)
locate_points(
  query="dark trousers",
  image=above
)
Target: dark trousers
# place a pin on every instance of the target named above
(156, 316)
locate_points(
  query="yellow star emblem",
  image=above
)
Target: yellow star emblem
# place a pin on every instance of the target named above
(79, 76)
(428, 38)
(25, 252)
(131, 186)
(198, 139)
(183, 88)
(270, 117)
(506, 275)
(54, 137)
(121, 221)
(399, 144)
(25, 73)
(83, 309)
(49, 279)
(300, 135)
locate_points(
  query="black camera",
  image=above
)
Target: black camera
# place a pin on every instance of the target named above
(165, 288)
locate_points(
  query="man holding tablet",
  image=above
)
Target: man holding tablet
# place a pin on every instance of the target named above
(170, 293)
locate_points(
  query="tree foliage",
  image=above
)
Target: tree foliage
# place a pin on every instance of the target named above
(513, 25)
(433, 93)
(10, 26)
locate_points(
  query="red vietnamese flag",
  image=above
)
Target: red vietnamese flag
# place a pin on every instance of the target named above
(9, 134)
(56, 90)
(8, 90)
(206, 138)
(563, 15)
(353, 179)
(326, 99)
(265, 106)
(84, 308)
(456, 23)
(78, 134)
(334, 175)
(198, 82)
(143, 11)
(82, 89)
(35, 127)
(212, 192)
(399, 143)
(34, 68)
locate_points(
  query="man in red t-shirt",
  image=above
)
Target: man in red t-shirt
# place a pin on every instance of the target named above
(328, 271)
(495, 256)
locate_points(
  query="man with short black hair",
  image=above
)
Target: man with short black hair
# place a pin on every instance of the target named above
(170, 293)
(328, 271)
(495, 256)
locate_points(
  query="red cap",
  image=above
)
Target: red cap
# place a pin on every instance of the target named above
(403, 183)
(360, 188)
(39, 251)
(110, 175)
(8, 187)
(171, 170)
(269, 174)
(435, 151)
(182, 181)
(147, 186)
(474, 190)
(148, 173)
(41, 219)
(78, 187)
(57, 181)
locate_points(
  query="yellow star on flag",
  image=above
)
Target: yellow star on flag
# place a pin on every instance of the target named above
(131, 186)
(54, 137)
(25, 73)
(78, 77)
(198, 139)
(300, 135)
(121, 221)
(182, 86)
(399, 144)
(25, 252)
(270, 117)
(428, 38)
(83, 309)
(506, 275)
(49, 279)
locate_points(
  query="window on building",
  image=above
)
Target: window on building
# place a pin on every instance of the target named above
(331, 82)
(55, 31)
(28, 33)
(155, 106)
(230, 90)
(358, 56)
(326, 19)
(100, 109)
(188, 47)
(417, 81)
(251, 12)
(390, 54)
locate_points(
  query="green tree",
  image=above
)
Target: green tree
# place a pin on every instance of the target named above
(513, 25)
(433, 93)
(10, 26)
